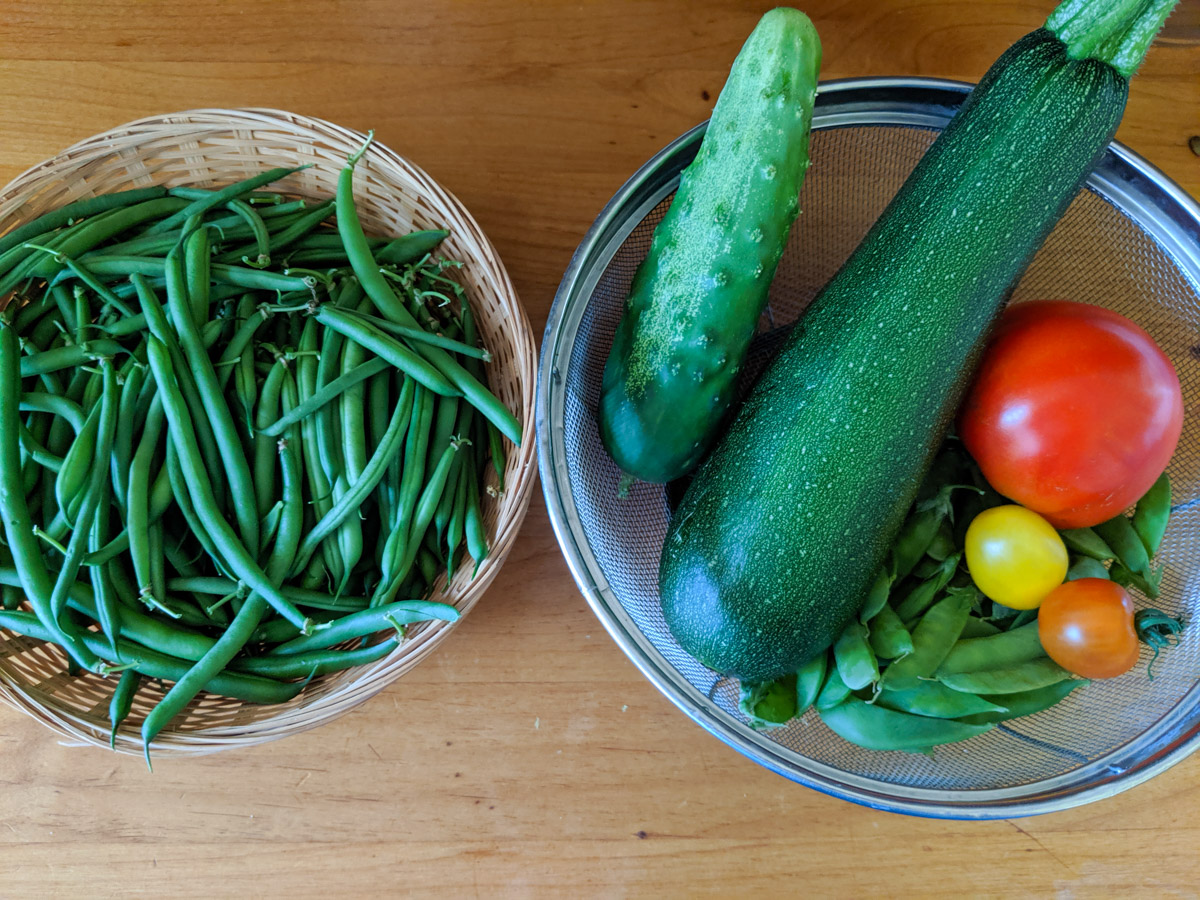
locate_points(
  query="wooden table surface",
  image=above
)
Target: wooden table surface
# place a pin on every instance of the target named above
(527, 756)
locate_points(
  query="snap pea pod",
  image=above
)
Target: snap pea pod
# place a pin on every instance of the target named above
(1128, 579)
(809, 680)
(854, 658)
(889, 638)
(1086, 567)
(942, 544)
(877, 596)
(1024, 703)
(317, 662)
(1118, 532)
(1088, 543)
(918, 533)
(976, 627)
(833, 692)
(932, 639)
(368, 621)
(1151, 514)
(918, 599)
(769, 704)
(931, 698)
(1024, 676)
(877, 728)
(1004, 649)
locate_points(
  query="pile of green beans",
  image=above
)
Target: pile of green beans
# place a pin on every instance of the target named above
(239, 439)
(929, 660)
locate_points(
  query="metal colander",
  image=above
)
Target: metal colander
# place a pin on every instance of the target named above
(1130, 241)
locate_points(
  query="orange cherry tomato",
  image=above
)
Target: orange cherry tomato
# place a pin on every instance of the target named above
(1086, 626)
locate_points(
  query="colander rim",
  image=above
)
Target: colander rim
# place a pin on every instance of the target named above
(1162, 208)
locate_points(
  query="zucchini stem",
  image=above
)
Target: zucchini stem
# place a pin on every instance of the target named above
(1116, 32)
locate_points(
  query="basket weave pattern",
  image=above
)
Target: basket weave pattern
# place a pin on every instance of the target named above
(213, 147)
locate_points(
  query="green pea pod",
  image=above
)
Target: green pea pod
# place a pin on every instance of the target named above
(889, 638)
(930, 698)
(1024, 703)
(1088, 543)
(876, 728)
(1130, 552)
(977, 627)
(1025, 676)
(877, 596)
(918, 533)
(979, 654)
(942, 544)
(1086, 567)
(833, 692)
(809, 680)
(1128, 579)
(933, 638)
(918, 599)
(769, 704)
(1151, 514)
(854, 658)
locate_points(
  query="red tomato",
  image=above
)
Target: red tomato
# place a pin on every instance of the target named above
(1074, 413)
(1086, 626)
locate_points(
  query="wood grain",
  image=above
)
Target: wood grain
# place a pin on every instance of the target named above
(528, 756)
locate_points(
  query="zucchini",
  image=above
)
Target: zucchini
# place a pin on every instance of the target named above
(697, 297)
(773, 547)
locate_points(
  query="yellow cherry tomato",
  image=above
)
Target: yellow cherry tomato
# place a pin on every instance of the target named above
(1015, 556)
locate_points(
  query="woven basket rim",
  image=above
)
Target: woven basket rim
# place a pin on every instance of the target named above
(520, 471)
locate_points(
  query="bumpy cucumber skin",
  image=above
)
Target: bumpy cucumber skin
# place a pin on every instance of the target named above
(697, 297)
(773, 547)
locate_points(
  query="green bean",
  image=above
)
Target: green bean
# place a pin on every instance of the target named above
(410, 247)
(76, 210)
(137, 500)
(55, 404)
(1023, 676)
(1118, 533)
(1086, 567)
(877, 728)
(877, 595)
(1024, 703)
(375, 469)
(809, 679)
(121, 702)
(262, 237)
(1151, 514)
(71, 356)
(769, 704)
(833, 692)
(237, 686)
(308, 665)
(106, 601)
(240, 343)
(368, 621)
(385, 347)
(854, 658)
(220, 198)
(302, 225)
(265, 450)
(319, 398)
(352, 414)
(1088, 543)
(38, 452)
(920, 597)
(931, 698)
(92, 492)
(477, 542)
(191, 276)
(1004, 649)
(457, 524)
(462, 462)
(315, 599)
(932, 639)
(889, 638)
(421, 336)
(277, 631)
(241, 276)
(18, 525)
(496, 446)
(183, 438)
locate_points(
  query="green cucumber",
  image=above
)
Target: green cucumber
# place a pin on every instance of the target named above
(697, 297)
(775, 543)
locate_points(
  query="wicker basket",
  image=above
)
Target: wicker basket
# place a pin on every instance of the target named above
(217, 146)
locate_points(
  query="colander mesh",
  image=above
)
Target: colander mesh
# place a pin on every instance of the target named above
(1096, 255)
